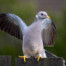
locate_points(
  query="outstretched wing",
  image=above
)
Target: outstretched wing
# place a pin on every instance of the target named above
(12, 24)
(48, 32)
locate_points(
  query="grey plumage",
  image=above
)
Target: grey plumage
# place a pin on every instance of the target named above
(48, 32)
(32, 43)
(41, 31)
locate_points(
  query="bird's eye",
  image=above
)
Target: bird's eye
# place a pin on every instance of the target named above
(42, 14)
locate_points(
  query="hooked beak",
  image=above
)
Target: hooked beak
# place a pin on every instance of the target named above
(48, 17)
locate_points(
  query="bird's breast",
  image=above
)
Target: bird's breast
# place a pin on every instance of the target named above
(33, 33)
(32, 36)
(32, 39)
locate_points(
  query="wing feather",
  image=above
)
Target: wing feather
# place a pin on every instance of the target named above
(48, 32)
(12, 24)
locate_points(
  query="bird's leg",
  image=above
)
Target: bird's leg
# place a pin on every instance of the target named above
(38, 57)
(24, 57)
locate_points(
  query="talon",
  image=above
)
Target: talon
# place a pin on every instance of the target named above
(38, 57)
(24, 57)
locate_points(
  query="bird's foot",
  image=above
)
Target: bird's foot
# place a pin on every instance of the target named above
(24, 57)
(38, 57)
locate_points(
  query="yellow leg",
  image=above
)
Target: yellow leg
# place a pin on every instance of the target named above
(23, 57)
(38, 57)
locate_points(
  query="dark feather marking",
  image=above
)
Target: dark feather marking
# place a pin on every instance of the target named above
(9, 27)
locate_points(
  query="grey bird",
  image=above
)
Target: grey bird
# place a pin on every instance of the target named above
(35, 36)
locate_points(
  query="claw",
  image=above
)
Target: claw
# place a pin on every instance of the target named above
(38, 57)
(23, 57)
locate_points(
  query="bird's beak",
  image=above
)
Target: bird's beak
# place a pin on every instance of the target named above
(48, 17)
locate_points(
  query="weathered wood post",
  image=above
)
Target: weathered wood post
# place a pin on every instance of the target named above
(52, 60)
(42, 62)
(5, 60)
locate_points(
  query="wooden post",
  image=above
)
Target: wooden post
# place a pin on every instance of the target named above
(42, 62)
(51, 60)
(5, 60)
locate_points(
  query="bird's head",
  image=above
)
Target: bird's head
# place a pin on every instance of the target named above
(42, 15)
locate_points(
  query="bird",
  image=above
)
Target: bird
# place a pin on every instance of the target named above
(34, 37)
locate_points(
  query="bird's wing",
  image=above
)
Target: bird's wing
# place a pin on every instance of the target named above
(12, 24)
(48, 32)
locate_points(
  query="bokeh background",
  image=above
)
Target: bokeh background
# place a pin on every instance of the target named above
(27, 9)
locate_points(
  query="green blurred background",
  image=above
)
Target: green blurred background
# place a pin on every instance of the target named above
(56, 9)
